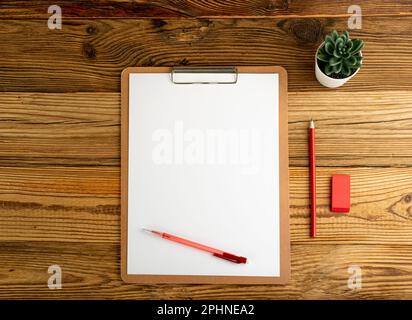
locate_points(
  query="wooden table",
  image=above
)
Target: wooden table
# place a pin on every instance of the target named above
(59, 134)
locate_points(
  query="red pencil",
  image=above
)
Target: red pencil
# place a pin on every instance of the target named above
(312, 160)
(216, 252)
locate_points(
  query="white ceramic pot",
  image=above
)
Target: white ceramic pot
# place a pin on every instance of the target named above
(326, 80)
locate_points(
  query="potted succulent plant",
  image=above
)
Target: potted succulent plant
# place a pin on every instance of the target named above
(338, 59)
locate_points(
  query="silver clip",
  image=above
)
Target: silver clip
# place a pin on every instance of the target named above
(204, 70)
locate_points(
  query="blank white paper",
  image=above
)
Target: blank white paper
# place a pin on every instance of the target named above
(203, 165)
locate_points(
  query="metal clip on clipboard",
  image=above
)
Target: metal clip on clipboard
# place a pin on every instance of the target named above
(204, 75)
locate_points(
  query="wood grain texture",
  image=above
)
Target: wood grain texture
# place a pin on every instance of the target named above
(199, 9)
(89, 55)
(60, 143)
(60, 130)
(363, 129)
(91, 271)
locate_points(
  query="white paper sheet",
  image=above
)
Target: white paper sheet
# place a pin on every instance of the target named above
(203, 165)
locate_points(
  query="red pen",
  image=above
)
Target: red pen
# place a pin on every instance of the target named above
(216, 252)
(312, 160)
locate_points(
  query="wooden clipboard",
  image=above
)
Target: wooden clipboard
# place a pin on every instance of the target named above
(283, 183)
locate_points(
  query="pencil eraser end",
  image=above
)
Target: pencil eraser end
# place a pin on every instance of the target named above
(340, 193)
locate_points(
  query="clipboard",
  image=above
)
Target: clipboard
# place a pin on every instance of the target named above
(201, 78)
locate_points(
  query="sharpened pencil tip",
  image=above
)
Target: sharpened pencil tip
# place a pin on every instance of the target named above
(312, 124)
(147, 230)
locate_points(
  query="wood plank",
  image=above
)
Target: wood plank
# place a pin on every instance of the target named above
(80, 204)
(381, 207)
(88, 55)
(197, 8)
(92, 271)
(82, 129)
(83, 205)
(361, 129)
(60, 130)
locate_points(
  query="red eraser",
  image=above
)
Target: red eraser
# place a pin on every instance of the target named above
(340, 198)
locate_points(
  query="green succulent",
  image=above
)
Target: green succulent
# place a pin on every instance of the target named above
(340, 54)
